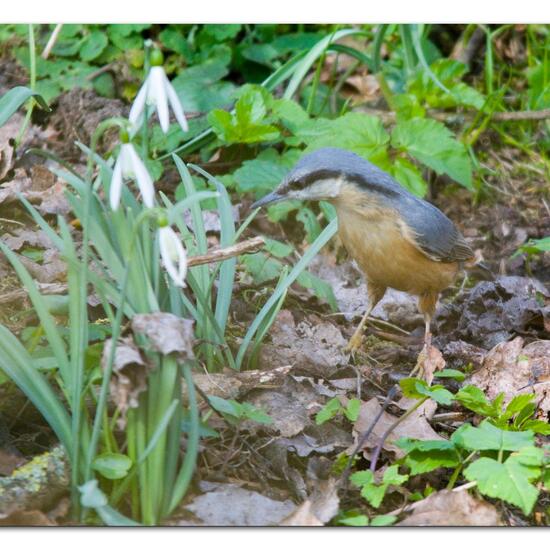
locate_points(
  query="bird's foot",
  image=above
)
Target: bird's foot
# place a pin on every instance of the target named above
(428, 362)
(355, 343)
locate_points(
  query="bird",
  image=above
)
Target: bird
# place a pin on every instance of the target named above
(397, 239)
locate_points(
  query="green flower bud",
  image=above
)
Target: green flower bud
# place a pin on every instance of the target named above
(123, 135)
(156, 58)
(162, 220)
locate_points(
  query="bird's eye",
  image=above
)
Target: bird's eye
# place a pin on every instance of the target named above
(296, 185)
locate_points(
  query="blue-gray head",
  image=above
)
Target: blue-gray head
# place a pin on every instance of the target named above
(323, 174)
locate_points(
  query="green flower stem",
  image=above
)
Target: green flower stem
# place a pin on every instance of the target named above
(165, 383)
(188, 467)
(102, 401)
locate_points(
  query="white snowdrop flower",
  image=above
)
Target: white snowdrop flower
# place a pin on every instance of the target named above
(157, 91)
(128, 165)
(173, 255)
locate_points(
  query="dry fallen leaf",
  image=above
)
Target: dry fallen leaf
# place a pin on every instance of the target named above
(289, 406)
(315, 347)
(415, 426)
(318, 509)
(167, 333)
(493, 311)
(451, 508)
(227, 504)
(231, 384)
(129, 378)
(511, 368)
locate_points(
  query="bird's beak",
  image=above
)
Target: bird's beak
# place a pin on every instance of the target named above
(269, 199)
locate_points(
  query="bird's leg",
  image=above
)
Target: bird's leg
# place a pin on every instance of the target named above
(375, 294)
(426, 304)
(427, 331)
(355, 341)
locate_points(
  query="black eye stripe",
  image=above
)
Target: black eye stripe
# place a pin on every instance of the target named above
(312, 177)
(304, 181)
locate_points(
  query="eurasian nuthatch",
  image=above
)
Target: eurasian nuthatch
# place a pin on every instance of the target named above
(398, 240)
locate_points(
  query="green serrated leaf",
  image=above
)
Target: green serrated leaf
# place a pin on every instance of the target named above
(487, 437)
(93, 45)
(450, 373)
(383, 521)
(415, 388)
(330, 410)
(221, 32)
(311, 224)
(261, 267)
(474, 399)
(277, 248)
(352, 410)
(508, 481)
(265, 172)
(425, 455)
(354, 521)
(409, 176)
(320, 288)
(357, 132)
(372, 492)
(431, 143)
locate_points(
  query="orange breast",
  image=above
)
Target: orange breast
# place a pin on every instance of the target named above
(383, 250)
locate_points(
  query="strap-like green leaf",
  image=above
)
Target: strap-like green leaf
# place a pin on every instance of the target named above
(12, 100)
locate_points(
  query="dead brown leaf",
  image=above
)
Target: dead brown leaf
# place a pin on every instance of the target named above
(366, 85)
(167, 333)
(52, 269)
(18, 237)
(451, 508)
(48, 200)
(232, 384)
(129, 378)
(511, 368)
(318, 509)
(494, 311)
(227, 504)
(414, 426)
(315, 347)
(290, 407)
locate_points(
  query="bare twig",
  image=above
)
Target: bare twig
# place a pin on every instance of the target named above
(21, 293)
(365, 435)
(100, 71)
(442, 116)
(377, 451)
(51, 41)
(246, 247)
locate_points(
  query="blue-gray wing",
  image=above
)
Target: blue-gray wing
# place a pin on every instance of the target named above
(433, 232)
